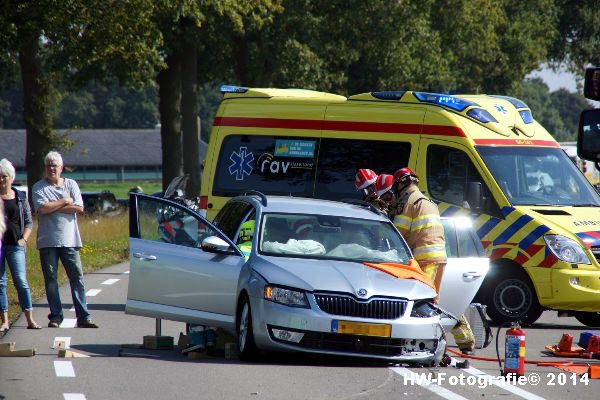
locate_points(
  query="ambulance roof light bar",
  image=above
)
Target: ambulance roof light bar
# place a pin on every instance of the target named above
(446, 100)
(233, 89)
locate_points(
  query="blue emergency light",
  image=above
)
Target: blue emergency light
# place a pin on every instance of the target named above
(446, 100)
(481, 115)
(233, 89)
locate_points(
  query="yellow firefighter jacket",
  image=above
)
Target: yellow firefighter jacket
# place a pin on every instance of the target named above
(418, 220)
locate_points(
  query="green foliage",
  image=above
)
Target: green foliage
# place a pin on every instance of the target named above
(578, 42)
(557, 111)
(492, 45)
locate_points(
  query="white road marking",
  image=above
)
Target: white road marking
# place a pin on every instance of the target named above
(74, 396)
(68, 323)
(432, 387)
(506, 386)
(64, 369)
(110, 281)
(126, 272)
(65, 339)
(93, 292)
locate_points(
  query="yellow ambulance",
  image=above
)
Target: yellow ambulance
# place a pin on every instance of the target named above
(535, 213)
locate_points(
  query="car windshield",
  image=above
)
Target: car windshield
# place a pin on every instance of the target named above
(327, 237)
(538, 176)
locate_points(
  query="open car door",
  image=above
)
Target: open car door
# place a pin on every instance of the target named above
(172, 274)
(465, 270)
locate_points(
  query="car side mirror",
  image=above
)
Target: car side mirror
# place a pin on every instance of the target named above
(588, 135)
(214, 244)
(473, 196)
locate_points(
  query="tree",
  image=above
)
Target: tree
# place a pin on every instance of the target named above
(71, 42)
(182, 24)
(569, 106)
(491, 45)
(578, 42)
(536, 94)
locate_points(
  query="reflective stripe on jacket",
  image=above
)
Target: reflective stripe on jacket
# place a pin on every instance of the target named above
(421, 227)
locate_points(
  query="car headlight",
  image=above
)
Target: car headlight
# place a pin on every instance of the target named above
(566, 249)
(288, 297)
(424, 309)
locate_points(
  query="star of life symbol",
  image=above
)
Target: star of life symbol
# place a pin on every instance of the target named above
(500, 108)
(241, 163)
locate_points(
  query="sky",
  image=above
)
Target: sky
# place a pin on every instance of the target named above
(556, 80)
(560, 79)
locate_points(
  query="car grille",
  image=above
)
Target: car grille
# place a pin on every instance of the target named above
(350, 307)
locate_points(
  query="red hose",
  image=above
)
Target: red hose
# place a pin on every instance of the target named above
(538, 363)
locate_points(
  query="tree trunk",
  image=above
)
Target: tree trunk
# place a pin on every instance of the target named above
(242, 60)
(37, 101)
(169, 92)
(189, 115)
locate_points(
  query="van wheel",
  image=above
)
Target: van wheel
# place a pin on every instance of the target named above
(511, 297)
(591, 319)
(245, 337)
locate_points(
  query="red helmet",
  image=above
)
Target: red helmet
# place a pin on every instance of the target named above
(364, 178)
(384, 184)
(403, 174)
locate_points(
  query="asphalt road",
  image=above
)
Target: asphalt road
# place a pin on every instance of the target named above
(115, 372)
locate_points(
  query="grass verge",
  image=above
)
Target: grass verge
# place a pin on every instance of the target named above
(105, 242)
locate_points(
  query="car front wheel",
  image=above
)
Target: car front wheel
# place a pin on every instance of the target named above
(245, 337)
(511, 297)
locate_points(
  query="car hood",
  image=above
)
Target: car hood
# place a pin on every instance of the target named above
(337, 276)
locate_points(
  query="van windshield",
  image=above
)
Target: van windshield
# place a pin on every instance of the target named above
(538, 176)
(331, 237)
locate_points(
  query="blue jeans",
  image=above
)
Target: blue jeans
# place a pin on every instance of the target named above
(69, 256)
(14, 256)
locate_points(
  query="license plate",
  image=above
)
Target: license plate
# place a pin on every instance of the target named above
(361, 328)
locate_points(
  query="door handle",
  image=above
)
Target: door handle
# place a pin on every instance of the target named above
(471, 275)
(144, 256)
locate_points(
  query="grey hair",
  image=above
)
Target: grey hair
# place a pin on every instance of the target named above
(53, 156)
(7, 168)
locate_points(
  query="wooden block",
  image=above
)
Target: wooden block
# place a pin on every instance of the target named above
(196, 355)
(230, 351)
(223, 337)
(158, 342)
(184, 341)
(64, 353)
(8, 350)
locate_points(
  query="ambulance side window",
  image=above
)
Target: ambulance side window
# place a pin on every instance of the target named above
(448, 171)
(280, 165)
(340, 158)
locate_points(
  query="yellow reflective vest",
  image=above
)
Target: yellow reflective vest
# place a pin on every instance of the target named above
(419, 223)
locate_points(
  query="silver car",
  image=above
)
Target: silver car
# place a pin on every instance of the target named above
(313, 278)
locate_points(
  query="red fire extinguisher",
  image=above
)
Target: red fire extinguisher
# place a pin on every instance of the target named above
(514, 351)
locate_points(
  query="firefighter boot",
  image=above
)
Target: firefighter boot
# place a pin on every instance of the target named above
(463, 336)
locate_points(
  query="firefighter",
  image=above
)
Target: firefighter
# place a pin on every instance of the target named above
(418, 220)
(365, 180)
